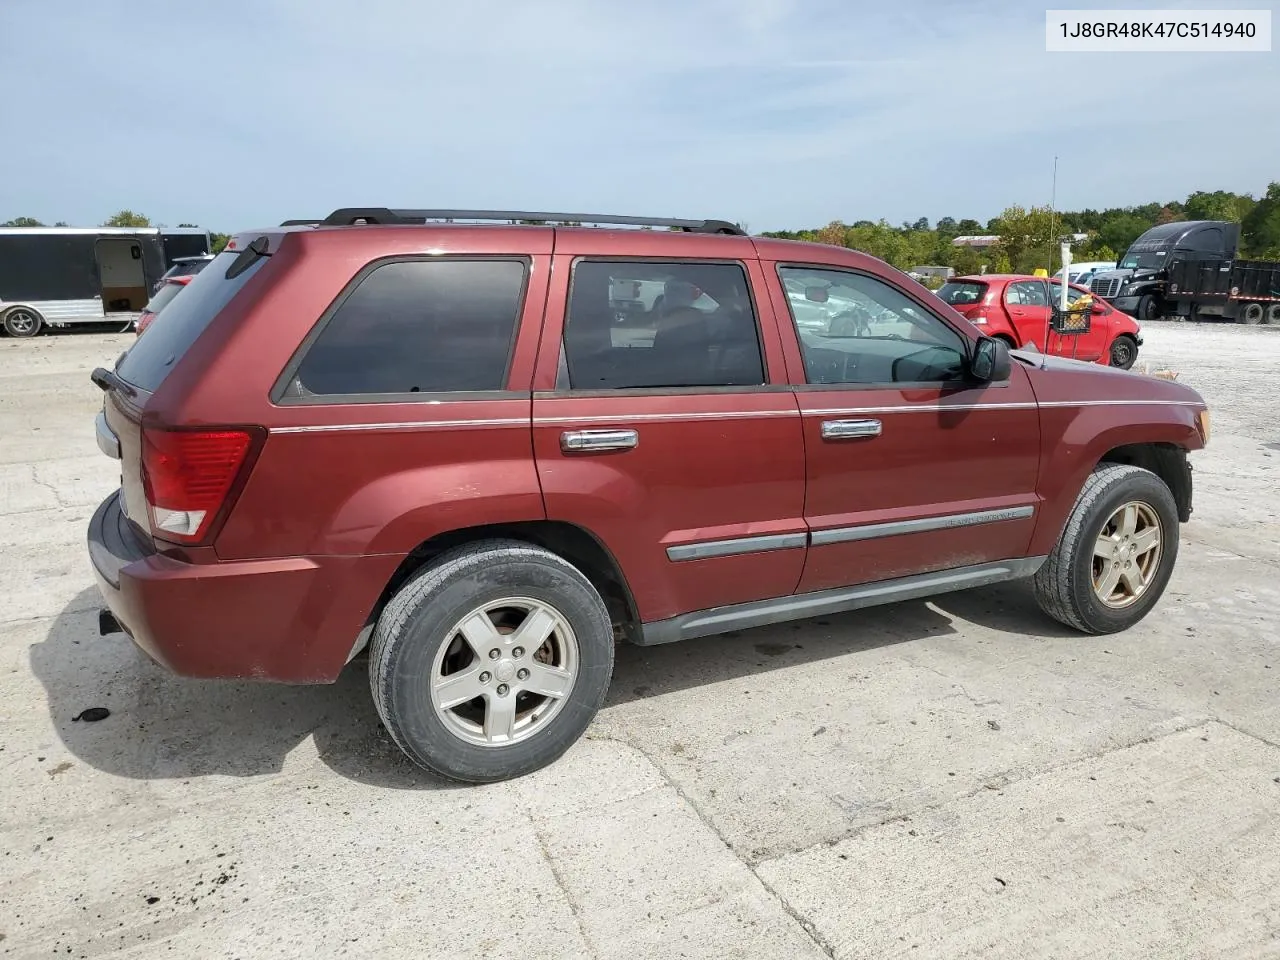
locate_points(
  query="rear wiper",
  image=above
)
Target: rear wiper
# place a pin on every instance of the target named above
(247, 257)
(109, 379)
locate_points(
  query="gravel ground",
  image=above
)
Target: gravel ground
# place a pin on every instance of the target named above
(951, 779)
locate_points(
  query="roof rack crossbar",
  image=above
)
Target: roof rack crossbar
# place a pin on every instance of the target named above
(350, 215)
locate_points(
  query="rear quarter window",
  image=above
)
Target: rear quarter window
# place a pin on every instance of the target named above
(416, 326)
(151, 357)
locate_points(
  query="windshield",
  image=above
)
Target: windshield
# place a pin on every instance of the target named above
(1146, 259)
(962, 294)
(151, 358)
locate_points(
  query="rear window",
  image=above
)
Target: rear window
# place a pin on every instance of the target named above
(962, 294)
(150, 359)
(162, 296)
(187, 269)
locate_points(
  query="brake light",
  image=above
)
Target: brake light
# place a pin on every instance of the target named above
(188, 475)
(980, 319)
(144, 321)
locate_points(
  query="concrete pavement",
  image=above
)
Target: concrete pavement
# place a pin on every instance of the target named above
(959, 778)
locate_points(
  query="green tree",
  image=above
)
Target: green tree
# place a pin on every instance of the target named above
(1261, 228)
(968, 228)
(1027, 237)
(1218, 205)
(948, 226)
(1121, 229)
(218, 242)
(965, 261)
(127, 218)
(22, 222)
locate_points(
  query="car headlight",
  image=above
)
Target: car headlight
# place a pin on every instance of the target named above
(1203, 425)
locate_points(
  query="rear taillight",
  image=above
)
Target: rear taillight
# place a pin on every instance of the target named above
(144, 321)
(188, 476)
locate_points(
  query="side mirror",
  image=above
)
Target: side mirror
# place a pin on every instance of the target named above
(991, 362)
(1099, 308)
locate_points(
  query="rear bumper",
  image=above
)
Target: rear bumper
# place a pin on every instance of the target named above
(292, 620)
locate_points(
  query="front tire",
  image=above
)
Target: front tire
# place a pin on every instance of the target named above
(1148, 309)
(1124, 351)
(1116, 553)
(22, 322)
(492, 661)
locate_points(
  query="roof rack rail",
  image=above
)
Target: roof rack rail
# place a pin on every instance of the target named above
(301, 223)
(350, 215)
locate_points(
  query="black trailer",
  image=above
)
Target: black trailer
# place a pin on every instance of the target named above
(56, 276)
(1240, 290)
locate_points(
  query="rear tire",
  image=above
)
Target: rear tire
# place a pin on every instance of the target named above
(1124, 351)
(1252, 314)
(421, 661)
(1090, 580)
(1148, 309)
(1008, 341)
(22, 322)
(1273, 315)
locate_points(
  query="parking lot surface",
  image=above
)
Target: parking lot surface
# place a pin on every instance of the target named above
(953, 778)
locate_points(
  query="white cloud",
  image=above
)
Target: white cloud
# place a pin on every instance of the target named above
(777, 112)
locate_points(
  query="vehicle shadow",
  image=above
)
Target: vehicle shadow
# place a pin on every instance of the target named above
(649, 671)
(163, 727)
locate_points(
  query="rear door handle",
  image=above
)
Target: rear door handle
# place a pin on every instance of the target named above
(849, 429)
(598, 440)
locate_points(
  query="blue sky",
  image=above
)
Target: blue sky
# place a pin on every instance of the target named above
(776, 113)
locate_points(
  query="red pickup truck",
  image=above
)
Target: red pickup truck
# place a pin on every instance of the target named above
(487, 452)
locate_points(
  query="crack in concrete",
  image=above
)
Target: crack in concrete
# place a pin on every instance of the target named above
(57, 497)
(1246, 733)
(564, 887)
(805, 924)
(997, 782)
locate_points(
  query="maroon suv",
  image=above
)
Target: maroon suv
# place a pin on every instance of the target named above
(489, 451)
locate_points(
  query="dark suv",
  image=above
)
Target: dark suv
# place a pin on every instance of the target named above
(489, 451)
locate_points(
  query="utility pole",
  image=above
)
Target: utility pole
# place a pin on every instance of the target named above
(1053, 201)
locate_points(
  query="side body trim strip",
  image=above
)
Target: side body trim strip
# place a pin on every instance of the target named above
(742, 616)
(729, 548)
(873, 531)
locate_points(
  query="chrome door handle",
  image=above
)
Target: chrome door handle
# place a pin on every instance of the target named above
(593, 440)
(849, 429)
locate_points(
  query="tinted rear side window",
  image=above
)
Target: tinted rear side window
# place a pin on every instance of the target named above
(151, 358)
(960, 294)
(161, 297)
(654, 325)
(418, 326)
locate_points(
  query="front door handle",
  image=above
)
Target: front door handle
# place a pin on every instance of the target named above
(591, 441)
(849, 429)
